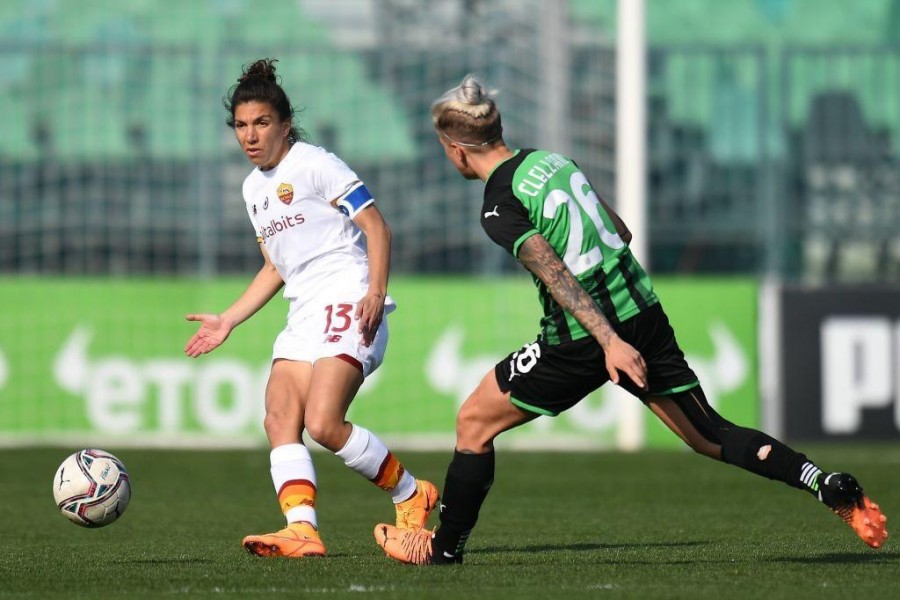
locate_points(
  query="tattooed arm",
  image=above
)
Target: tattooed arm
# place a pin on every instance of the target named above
(539, 257)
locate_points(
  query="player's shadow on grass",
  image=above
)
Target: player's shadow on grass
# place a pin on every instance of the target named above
(843, 558)
(180, 560)
(583, 547)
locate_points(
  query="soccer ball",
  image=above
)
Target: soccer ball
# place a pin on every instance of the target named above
(91, 488)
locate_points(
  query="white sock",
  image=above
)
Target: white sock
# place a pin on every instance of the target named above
(368, 456)
(292, 465)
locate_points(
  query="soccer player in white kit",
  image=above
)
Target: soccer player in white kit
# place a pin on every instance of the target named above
(323, 239)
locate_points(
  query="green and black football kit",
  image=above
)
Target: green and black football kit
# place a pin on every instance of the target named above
(537, 192)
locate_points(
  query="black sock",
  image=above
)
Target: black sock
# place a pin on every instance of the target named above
(469, 479)
(747, 448)
(764, 455)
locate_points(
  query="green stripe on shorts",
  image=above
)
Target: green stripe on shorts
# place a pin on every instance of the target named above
(529, 408)
(675, 390)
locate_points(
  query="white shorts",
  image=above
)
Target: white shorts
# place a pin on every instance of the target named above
(330, 330)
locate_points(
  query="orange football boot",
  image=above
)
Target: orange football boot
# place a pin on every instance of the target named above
(844, 496)
(410, 546)
(295, 541)
(413, 513)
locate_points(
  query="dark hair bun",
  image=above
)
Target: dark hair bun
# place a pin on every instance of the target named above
(262, 69)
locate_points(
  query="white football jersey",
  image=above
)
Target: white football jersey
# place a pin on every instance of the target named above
(303, 212)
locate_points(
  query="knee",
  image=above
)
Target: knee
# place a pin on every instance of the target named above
(472, 431)
(276, 425)
(328, 433)
(705, 447)
(703, 441)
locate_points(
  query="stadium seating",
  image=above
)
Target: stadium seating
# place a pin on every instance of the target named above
(123, 83)
(102, 97)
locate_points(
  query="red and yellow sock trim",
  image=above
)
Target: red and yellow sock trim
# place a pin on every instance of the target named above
(389, 473)
(297, 492)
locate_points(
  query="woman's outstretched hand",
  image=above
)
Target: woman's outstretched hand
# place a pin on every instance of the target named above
(213, 331)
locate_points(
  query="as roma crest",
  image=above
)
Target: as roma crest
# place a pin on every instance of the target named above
(286, 193)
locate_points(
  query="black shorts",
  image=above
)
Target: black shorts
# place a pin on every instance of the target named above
(547, 379)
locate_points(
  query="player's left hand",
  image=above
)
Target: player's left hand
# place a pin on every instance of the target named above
(622, 356)
(369, 312)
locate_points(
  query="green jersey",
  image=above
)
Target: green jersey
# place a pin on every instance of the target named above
(539, 192)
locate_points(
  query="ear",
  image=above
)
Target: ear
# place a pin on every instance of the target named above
(460, 155)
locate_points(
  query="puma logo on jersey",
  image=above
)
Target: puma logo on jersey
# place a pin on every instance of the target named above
(493, 213)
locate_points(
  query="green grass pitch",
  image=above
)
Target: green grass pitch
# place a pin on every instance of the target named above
(556, 525)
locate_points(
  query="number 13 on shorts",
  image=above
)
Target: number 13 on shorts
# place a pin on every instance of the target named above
(338, 317)
(342, 338)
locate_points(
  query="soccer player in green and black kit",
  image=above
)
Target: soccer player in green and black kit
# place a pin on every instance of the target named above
(602, 321)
